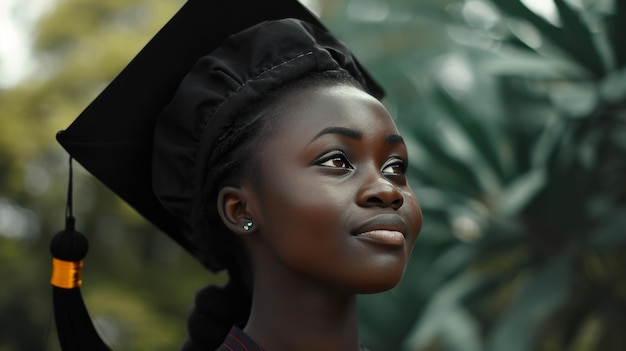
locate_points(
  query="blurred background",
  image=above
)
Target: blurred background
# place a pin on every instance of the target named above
(515, 115)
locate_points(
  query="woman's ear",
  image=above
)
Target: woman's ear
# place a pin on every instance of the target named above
(232, 206)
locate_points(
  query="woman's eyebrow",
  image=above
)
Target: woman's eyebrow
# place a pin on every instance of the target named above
(350, 133)
(394, 139)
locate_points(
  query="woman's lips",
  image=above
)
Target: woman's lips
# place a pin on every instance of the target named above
(383, 230)
(383, 237)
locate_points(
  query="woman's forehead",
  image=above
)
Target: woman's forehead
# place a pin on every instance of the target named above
(314, 108)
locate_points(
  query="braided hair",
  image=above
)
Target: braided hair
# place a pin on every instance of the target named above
(217, 309)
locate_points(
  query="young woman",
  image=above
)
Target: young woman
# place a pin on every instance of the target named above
(279, 164)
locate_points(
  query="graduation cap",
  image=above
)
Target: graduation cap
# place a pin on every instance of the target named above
(113, 137)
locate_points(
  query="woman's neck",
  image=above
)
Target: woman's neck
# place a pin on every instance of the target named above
(289, 313)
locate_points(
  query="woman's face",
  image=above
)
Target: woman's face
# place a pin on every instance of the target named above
(334, 206)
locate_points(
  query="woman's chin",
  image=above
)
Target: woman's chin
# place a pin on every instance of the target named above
(379, 282)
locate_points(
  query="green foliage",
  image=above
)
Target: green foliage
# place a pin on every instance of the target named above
(515, 121)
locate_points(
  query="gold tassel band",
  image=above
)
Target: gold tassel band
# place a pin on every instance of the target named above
(66, 274)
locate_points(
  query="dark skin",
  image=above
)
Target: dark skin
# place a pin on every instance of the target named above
(333, 217)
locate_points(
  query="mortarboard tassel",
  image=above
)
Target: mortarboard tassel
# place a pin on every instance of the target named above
(68, 247)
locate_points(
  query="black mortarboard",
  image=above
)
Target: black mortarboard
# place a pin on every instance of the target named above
(112, 137)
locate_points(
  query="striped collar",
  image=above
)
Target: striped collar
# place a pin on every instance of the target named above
(237, 340)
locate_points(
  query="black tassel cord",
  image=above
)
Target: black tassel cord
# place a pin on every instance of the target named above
(69, 247)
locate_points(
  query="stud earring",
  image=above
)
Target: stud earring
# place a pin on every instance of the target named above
(248, 226)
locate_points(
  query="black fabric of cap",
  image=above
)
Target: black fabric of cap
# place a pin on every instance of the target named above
(113, 137)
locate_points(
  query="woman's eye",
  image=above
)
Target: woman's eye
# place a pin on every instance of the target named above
(397, 167)
(336, 161)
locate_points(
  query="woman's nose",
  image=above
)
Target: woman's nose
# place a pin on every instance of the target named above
(380, 191)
